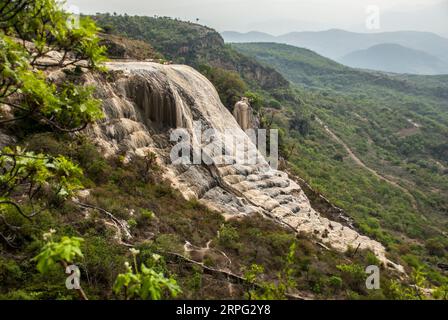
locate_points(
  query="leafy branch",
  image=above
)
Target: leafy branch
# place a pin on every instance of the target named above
(28, 179)
(63, 252)
(144, 282)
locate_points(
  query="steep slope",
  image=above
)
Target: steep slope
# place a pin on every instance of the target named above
(370, 95)
(307, 68)
(191, 44)
(129, 204)
(124, 48)
(297, 64)
(395, 58)
(148, 99)
(395, 125)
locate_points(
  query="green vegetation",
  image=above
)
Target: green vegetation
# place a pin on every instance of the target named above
(52, 252)
(128, 204)
(202, 48)
(373, 113)
(163, 221)
(395, 124)
(28, 173)
(25, 88)
(231, 87)
(144, 282)
(36, 101)
(272, 291)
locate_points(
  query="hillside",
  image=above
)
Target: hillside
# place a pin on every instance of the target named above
(87, 182)
(119, 47)
(335, 44)
(377, 132)
(192, 44)
(299, 65)
(307, 68)
(406, 160)
(97, 178)
(369, 131)
(395, 58)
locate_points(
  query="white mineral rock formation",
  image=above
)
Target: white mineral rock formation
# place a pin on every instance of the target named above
(243, 114)
(147, 101)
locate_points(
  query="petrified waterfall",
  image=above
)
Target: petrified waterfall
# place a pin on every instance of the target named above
(143, 105)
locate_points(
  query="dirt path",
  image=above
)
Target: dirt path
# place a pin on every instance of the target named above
(363, 165)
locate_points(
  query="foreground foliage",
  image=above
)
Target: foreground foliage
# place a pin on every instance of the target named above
(145, 282)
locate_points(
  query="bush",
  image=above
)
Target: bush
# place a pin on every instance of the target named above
(353, 276)
(231, 87)
(228, 236)
(436, 247)
(335, 282)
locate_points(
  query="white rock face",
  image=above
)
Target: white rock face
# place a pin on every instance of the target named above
(243, 114)
(149, 100)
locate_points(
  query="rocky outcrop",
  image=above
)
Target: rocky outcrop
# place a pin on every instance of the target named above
(147, 101)
(243, 114)
(118, 47)
(208, 45)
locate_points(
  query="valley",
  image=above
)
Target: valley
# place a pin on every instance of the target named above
(91, 118)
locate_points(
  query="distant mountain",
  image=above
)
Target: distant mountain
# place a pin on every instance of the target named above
(253, 36)
(395, 58)
(336, 44)
(380, 116)
(309, 69)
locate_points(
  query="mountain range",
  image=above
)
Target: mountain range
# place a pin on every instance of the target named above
(395, 58)
(423, 52)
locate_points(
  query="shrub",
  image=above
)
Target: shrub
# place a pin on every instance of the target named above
(231, 87)
(228, 236)
(145, 282)
(353, 276)
(335, 282)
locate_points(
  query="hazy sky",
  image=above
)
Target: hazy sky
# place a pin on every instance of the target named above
(281, 16)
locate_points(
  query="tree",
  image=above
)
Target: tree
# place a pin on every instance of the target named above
(267, 117)
(29, 182)
(26, 175)
(436, 247)
(231, 87)
(9, 9)
(256, 100)
(48, 28)
(41, 27)
(29, 30)
(146, 165)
